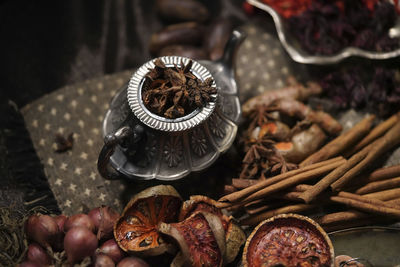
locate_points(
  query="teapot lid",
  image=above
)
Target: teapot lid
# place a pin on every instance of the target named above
(134, 94)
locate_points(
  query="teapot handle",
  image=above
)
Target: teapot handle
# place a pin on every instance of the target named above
(110, 143)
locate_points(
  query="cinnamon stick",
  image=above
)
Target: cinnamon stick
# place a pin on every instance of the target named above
(385, 195)
(291, 181)
(228, 189)
(384, 173)
(376, 132)
(255, 219)
(382, 145)
(236, 196)
(364, 199)
(344, 216)
(243, 183)
(378, 186)
(340, 143)
(367, 207)
(312, 193)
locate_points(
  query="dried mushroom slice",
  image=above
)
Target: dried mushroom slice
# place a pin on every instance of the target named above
(136, 230)
(201, 238)
(288, 240)
(234, 235)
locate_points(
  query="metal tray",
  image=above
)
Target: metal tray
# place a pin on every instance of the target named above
(380, 246)
(293, 48)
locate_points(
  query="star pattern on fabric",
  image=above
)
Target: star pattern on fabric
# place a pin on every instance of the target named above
(58, 182)
(68, 203)
(92, 176)
(102, 196)
(63, 166)
(87, 192)
(83, 155)
(78, 171)
(72, 187)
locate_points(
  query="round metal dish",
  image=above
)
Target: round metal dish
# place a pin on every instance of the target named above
(299, 55)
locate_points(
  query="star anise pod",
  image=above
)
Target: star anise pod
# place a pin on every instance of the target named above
(174, 91)
(64, 144)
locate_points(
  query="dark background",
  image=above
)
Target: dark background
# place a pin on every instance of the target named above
(48, 44)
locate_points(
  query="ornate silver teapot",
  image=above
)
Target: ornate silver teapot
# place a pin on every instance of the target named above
(141, 145)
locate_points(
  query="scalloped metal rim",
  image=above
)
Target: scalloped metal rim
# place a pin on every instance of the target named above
(159, 123)
(298, 55)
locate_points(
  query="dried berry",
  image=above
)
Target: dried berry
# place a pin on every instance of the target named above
(326, 27)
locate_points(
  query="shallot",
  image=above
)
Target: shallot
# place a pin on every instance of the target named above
(38, 254)
(94, 214)
(60, 220)
(79, 242)
(108, 218)
(111, 249)
(43, 229)
(102, 260)
(29, 264)
(132, 262)
(79, 220)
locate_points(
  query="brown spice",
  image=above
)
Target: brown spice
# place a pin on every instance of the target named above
(341, 143)
(173, 92)
(64, 144)
(383, 144)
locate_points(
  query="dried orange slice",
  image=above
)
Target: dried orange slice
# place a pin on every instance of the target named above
(136, 230)
(201, 238)
(234, 235)
(288, 240)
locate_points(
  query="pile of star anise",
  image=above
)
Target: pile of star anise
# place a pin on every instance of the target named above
(173, 92)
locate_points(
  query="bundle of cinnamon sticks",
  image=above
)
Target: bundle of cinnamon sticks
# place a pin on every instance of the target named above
(340, 175)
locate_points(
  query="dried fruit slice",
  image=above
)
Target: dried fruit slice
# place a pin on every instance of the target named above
(234, 235)
(136, 230)
(201, 238)
(288, 240)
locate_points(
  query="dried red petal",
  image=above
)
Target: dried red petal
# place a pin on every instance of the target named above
(288, 240)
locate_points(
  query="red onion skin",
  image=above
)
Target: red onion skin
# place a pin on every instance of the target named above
(107, 221)
(60, 220)
(79, 220)
(111, 249)
(79, 242)
(102, 260)
(29, 264)
(38, 254)
(94, 214)
(132, 262)
(42, 229)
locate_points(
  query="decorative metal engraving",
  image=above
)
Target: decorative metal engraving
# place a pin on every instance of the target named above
(217, 126)
(173, 151)
(225, 105)
(199, 142)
